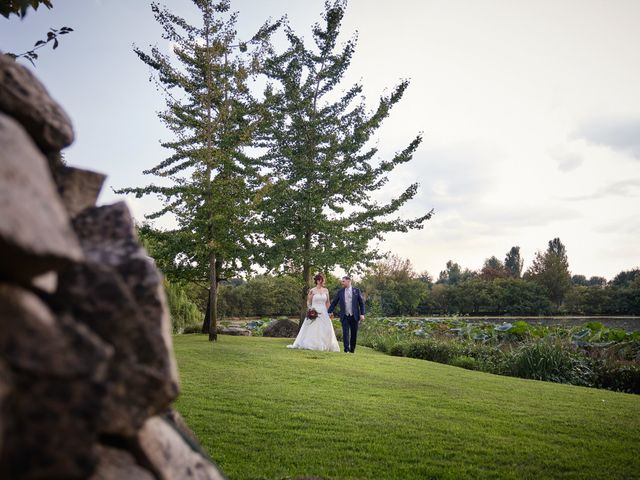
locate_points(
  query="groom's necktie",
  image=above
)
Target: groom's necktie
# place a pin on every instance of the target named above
(348, 300)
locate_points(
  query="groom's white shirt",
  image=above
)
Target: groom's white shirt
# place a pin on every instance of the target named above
(348, 300)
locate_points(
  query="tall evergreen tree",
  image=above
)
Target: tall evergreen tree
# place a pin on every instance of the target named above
(551, 270)
(211, 180)
(513, 262)
(319, 212)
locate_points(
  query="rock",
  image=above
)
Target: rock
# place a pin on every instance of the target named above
(178, 423)
(233, 330)
(23, 97)
(35, 234)
(51, 428)
(51, 413)
(32, 340)
(139, 383)
(117, 464)
(117, 292)
(78, 188)
(6, 387)
(170, 456)
(281, 328)
(47, 282)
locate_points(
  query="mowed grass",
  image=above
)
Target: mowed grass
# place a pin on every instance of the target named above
(266, 412)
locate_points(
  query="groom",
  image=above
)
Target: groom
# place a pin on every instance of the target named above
(351, 312)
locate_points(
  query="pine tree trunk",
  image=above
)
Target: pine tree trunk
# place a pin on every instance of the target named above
(213, 298)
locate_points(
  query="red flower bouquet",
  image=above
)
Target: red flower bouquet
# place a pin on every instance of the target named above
(312, 314)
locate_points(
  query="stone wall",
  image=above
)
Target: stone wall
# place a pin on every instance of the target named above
(87, 371)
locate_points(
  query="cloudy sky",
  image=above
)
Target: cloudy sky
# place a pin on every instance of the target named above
(530, 111)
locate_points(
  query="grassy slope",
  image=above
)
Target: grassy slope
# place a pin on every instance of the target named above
(264, 411)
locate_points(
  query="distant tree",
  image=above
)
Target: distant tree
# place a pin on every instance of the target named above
(426, 277)
(597, 281)
(580, 280)
(319, 212)
(624, 278)
(212, 182)
(452, 275)
(393, 285)
(521, 297)
(492, 269)
(513, 262)
(551, 270)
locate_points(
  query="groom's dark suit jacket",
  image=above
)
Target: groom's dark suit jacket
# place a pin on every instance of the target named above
(357, 303)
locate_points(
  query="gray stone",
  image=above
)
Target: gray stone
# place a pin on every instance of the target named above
(78, 188)
(6, 386)
(281, 328)
(171, 458)
(236, 331)
(116, 464)
(58, 369)
(117, 292)
(32, 340)
(35, 234)
(23, 97)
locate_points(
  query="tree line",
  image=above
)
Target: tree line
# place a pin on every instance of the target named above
(282, 179)
(393, 288)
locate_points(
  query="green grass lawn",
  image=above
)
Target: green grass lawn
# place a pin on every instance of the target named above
(265, 412)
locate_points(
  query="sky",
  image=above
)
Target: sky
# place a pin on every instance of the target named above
(530, 111)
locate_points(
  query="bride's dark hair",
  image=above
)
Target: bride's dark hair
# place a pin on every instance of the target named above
(318, 277)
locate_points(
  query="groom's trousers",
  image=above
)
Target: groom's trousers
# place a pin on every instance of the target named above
(349, 333)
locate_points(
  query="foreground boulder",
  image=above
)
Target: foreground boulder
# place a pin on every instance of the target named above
(117, 292)
(23, 97)
(281, 328)
(35, 233)
(87, 372)
(58, 368)
(170, 454)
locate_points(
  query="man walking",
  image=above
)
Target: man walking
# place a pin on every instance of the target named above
(351, 312)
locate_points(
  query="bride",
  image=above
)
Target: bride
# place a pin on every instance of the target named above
(317, 334)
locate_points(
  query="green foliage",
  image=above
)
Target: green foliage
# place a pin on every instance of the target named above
(577, 355)
(52, 36)
(550, 359)
(551, 270)
(465, 361)
(393, 288)
(513, 262)
(210, 184)
(319, 211)
(185, 315)
(20, 7)
(260, 296)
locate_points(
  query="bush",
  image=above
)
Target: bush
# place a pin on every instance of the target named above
(620, 377)
(432, 350)
(551, 360)
(398, 349)
(464, 361)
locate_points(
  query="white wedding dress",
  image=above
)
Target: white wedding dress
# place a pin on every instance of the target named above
(317, 334)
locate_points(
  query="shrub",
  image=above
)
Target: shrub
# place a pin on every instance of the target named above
(398, 349)
(549, 359)
(620, 377)
(464, 361)
(435, 351)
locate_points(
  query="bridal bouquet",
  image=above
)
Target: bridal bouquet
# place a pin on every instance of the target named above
(312, 314)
